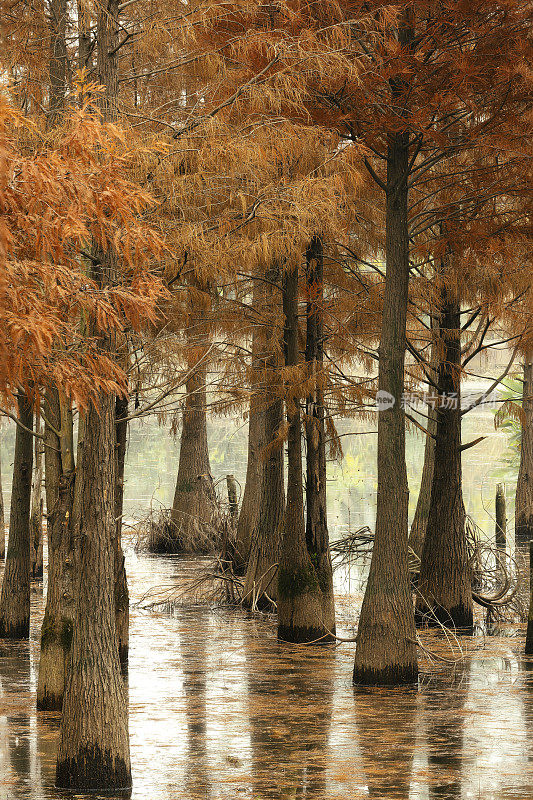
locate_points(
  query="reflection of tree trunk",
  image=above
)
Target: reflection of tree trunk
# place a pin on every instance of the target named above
(194, 664)
(301, 604)
(445, 586)
(122, 599)
(524, 486)
(36, 514)
(2, 516)
(386, 648)
(290, 711)
(255, 467)
(15, 597)
(56, 631)
(386, 728)
(444, 712)
(15, 684)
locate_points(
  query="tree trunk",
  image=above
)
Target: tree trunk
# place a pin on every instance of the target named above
(418, 528)
(255, 467)
(524, 487)
(15, 597)
(260, 585)
(445, 585)
(194, 498)
(93, 753)
(500, 533)
(386, 639)
(316, 534)
(301, 604)
(36, 513)
(2, 516)
(58, 60)
(122, 599)
(58, 622)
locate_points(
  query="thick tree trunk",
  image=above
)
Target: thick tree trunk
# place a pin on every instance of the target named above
(93, 752)
(386, 639)
(15, 597)
(445, 585)
(194, 498)
(58, 622)
(2, 515)
(36, 513)
(94, 746)
(122, 598)
(255, 467)
(524, 487)
(316, 533)
(261, 583)
(301, 604)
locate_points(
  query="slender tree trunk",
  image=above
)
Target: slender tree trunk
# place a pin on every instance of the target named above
(418, 528)
(36, 513)
(194, 498)
(58, 622)
(94, 746)
(445, 586)
(316, 534)
(386, 648)
(84, 36)
(15, 597)
(301, 604)
(255, 467)
(2, 515)
(524, 486)
(93, 752)
(122, 598)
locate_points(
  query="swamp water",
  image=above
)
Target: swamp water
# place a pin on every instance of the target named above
(219, 710)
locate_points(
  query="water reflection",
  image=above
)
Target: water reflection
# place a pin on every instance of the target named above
(219, 710)
(443, 712)
(289, 705)
(386, 728)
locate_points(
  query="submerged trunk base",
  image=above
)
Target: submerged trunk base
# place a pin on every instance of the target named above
(15, 630)
(392, 675)
(94, 771)
(459, 618)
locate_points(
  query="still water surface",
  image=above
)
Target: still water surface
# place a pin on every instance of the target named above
(220, 710)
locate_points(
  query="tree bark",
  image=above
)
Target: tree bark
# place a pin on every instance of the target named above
(122, 598)
(445, 585)
(36, 513)
(2, 516)
(15, 596)
(301, 603)
(255, 466)
(524, 486)
(194, 498)
(58, 60)
(260, 585)
(93, 753)
(316, 533)
(386, 639)
(58, 622)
